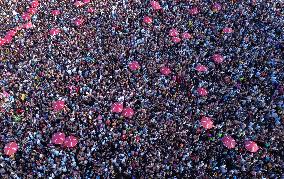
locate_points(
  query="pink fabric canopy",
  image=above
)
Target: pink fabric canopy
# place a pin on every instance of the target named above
(58, 105)
(186, 35)
(155, 5)
(228, 30)
(206, 122)
(54, 31)
(165, 70)
(201, 68)
(194, 11)
(176, 39)
(147, 20)
(251, 146)
(128, 112)
(58, 138)
(218, 58)
(202, 91)
(11, 148)
(70, 141)
(229, 142)
(79, 21)
(173, 32)
(134, 65)
(117, 107)
(34, 4)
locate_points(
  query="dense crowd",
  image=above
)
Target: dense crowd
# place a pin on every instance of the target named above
(86, 65)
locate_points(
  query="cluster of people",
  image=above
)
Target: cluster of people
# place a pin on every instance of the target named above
(80, 52)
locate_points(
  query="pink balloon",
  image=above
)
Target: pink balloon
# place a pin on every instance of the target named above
(194, 11)
(165, 70)
(186, 35)
(128, 112)
(147, 20)
(216, 7)
(218, 58)
(26, 16)
(201, 68)
(229, 142)
(228, 30)
(173, 32)
(35, 4)
(54, 31)
(176, 39)
(78, 3)
(206, 122)
(32, 10)
(79, 21)
(134, 65)
(251, 146)
(202, 91)
(55, 12)
(155, 5)
(27, 25)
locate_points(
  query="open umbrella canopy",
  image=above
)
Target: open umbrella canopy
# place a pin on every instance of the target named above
(134, 65)
(202, 91)
(229, 142)
(251, 146)
(128, 112)
(147, 20)
(201, 68)
(165, 70)
(173, 32)
(70, 141)
(58, 105)
(218, 58)
(58, 138)
(117, 107)
(11, 148)
(206, 122)
(155, 5)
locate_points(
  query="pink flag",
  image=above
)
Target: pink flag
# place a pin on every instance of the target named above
(155, 5)
(55, 12)
(186, 35)
(70, 141)
(229, 142)
(206, 122)
(128, 112)
(54, 31)
(218, 58)
(58, 138)
(173, 32)
(10, 148)
(202, 91)
(165, 70)
(117, 107)
(147, 20)
(134, 65)
(201, 68)
(251, 146)
(193, 11)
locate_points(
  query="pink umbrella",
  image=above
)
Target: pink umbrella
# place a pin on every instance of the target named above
(155, 5)
(70, 141)
(26, 16)
(86, 1)
(218, 58)
(186, 35)
(11, 33)
(78, 3)
(147, 20)
(176, 39)
(79, 21)
(117, 107)
(193, 11)
(173, 32)
(11, 148)
(201, 68)
(91, 10)
(58, 105)
(54, 31)
(55, 12)
(128, 112)
(34, 3)
(165, 70)
(228, 30)
(202, 91)
(134, 65)
(206, 122)
(28, 25)
(32, 10)
(216, 7)
(58, 138)
(251, 146)
(229, 142)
